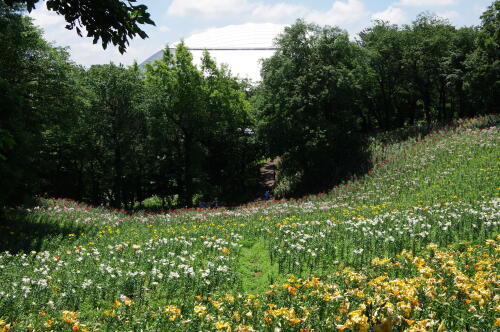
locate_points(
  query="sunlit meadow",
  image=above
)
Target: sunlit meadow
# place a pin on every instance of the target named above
(414, 245)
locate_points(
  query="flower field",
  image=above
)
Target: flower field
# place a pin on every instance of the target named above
(412, 246)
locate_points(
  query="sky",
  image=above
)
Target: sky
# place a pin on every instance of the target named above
(245, 23)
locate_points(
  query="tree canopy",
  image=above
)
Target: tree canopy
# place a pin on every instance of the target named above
(309, 111)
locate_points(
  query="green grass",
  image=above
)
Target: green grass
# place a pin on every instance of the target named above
(255, 268)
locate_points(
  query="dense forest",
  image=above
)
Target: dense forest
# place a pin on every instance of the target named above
(117, 135)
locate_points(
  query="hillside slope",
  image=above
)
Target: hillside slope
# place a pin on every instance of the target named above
(413, 245)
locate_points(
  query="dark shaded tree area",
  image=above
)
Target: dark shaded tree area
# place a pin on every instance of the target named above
(34, 87)
(115, 135)
(173, 131)
(308, 105)
(118, 135)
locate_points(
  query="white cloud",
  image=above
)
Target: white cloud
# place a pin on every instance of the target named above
(211, 8)
(164, 28)
(392, 14)
(421, 3)
(278, 12)
(46, 18)
(340, 13)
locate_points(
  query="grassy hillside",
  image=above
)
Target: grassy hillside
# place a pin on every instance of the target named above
(412, 246)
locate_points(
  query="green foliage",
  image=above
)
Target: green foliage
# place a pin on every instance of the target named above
(115, 129)
(309, 113)
(416, 72)
(490, 30)
(484, 61)
(200, 119)
(177, 87)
